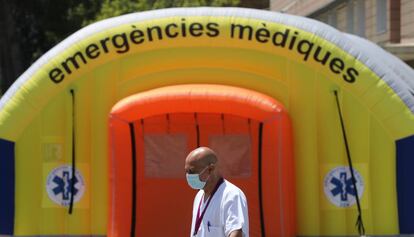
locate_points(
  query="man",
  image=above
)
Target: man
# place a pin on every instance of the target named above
(220, 208)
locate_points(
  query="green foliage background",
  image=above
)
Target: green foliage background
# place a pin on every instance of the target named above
(29, 28)
(44, 23)
(110, 8)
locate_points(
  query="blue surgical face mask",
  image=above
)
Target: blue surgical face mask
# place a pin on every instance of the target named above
(194, 180)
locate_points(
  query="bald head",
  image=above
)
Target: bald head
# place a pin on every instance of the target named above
(199, 159)
(202, 155)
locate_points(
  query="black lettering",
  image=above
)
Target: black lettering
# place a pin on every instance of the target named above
(304, 48)
(292, 42)
(196, 29)
(73, 61)
(280, 38)
(136, 36)
(337, 65)
(168, 30)
(103, 44)
(92, 51)
(183, 28)
(158, 31)
(351, 75)
(325, 57)
(262, 32)
(120, 41)
(56, 75)
(241, 29)
(213, 29)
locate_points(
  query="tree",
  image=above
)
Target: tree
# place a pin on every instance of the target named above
(10, 50)
(28, 29)
(112, 8)
(31, 27)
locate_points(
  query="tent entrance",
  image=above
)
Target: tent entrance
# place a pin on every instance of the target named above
(149, 195)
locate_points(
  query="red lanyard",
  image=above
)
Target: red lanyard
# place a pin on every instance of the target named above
(200, 217)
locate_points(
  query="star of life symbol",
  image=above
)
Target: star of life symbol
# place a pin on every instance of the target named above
(339, 188)
(59, 185)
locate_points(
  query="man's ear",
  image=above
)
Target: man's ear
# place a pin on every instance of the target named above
(212, 167)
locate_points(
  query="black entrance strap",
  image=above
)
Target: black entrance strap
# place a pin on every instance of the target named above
(134, 178)
(359, 223)
(197, 129)
(73, 178)
(262, 224)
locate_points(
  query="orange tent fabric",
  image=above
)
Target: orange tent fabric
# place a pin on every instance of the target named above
(141, 204)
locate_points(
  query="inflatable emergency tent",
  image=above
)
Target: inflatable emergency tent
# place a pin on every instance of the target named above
(95, 133)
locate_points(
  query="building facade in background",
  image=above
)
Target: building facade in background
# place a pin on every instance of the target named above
(389, 23)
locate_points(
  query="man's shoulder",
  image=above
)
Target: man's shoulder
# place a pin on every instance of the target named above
(230, 190)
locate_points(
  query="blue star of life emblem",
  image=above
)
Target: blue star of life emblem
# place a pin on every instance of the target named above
(339, 188)
(343, 186)
(64, 185)
(59, 185)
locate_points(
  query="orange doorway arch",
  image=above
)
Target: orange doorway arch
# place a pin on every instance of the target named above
(152, 132)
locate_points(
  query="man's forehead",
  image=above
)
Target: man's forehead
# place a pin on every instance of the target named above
(194, 161)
